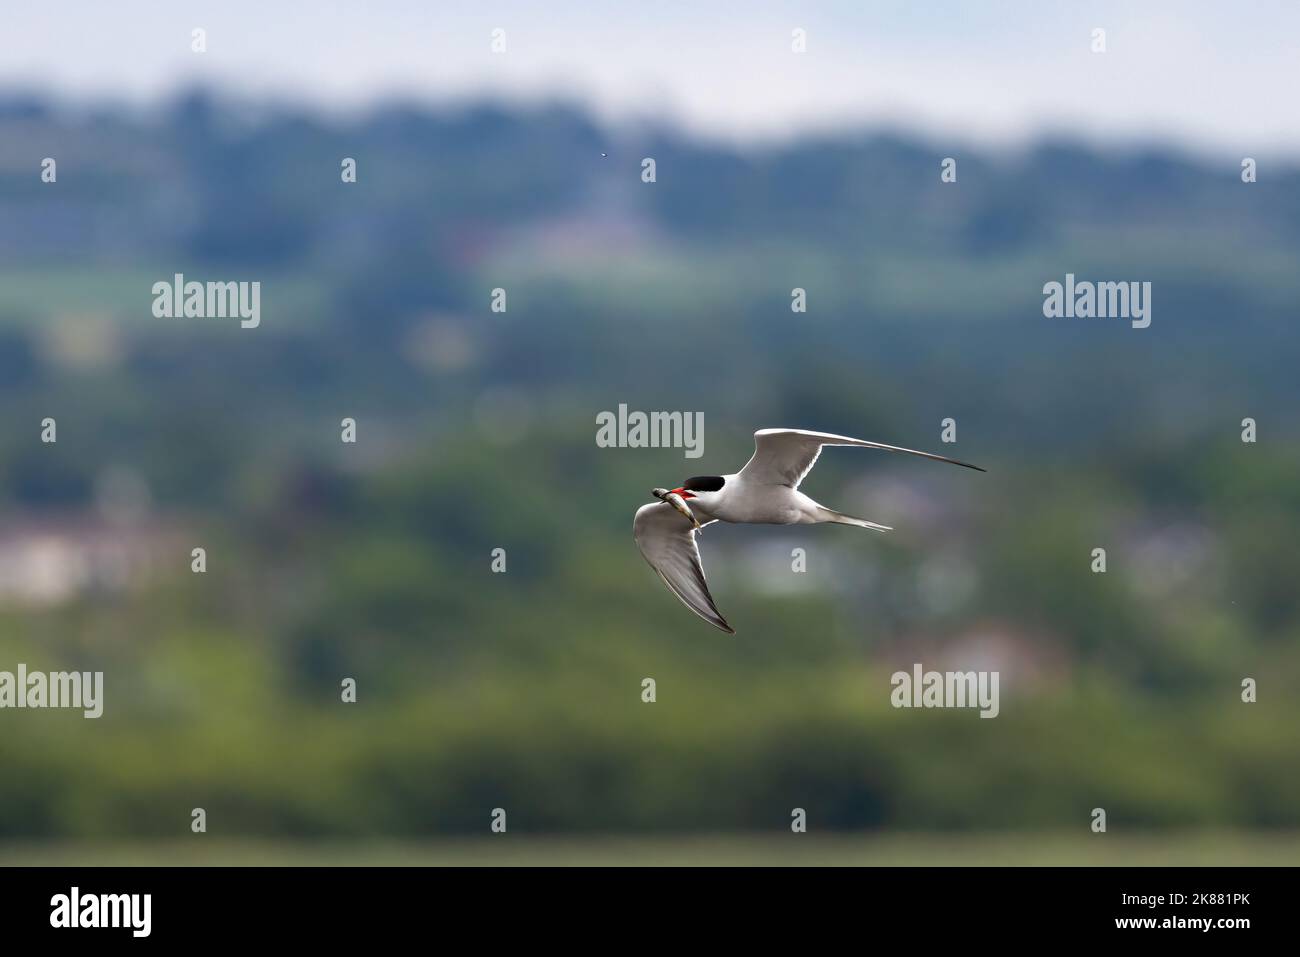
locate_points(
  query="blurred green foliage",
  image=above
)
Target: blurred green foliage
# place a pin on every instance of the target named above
(476, 431)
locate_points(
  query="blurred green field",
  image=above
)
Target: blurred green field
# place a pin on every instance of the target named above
(1176, 849)
(372, 562)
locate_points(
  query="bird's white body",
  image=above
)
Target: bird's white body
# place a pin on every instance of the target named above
(756, 504)
(764, 492)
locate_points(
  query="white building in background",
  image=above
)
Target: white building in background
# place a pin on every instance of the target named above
(48, 561)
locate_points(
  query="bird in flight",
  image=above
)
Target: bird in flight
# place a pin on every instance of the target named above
(764, 492)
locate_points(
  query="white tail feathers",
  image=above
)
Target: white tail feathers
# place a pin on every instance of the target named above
(839, 518)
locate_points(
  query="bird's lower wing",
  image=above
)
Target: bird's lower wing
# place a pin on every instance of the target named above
(667, 542)
(785, 456)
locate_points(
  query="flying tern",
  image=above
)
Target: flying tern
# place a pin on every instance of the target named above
(764, 492)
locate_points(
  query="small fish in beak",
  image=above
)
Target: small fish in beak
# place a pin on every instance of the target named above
(677, 502)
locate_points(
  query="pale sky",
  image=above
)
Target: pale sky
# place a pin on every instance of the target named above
(1218, 77)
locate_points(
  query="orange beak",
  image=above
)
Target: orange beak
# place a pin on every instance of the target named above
(683, 493)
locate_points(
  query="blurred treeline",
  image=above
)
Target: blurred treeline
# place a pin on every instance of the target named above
(476, 431)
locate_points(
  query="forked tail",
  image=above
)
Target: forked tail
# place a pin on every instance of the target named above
(839, 518)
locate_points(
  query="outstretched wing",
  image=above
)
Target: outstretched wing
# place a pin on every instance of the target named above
(785, 456)
(667, 542)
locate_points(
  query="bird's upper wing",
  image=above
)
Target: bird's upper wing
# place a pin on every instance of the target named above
(785, 456)
(667, 541)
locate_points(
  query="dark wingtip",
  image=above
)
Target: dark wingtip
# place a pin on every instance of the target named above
(721, 624)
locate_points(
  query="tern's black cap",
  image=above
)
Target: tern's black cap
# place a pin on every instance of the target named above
(704, 483)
